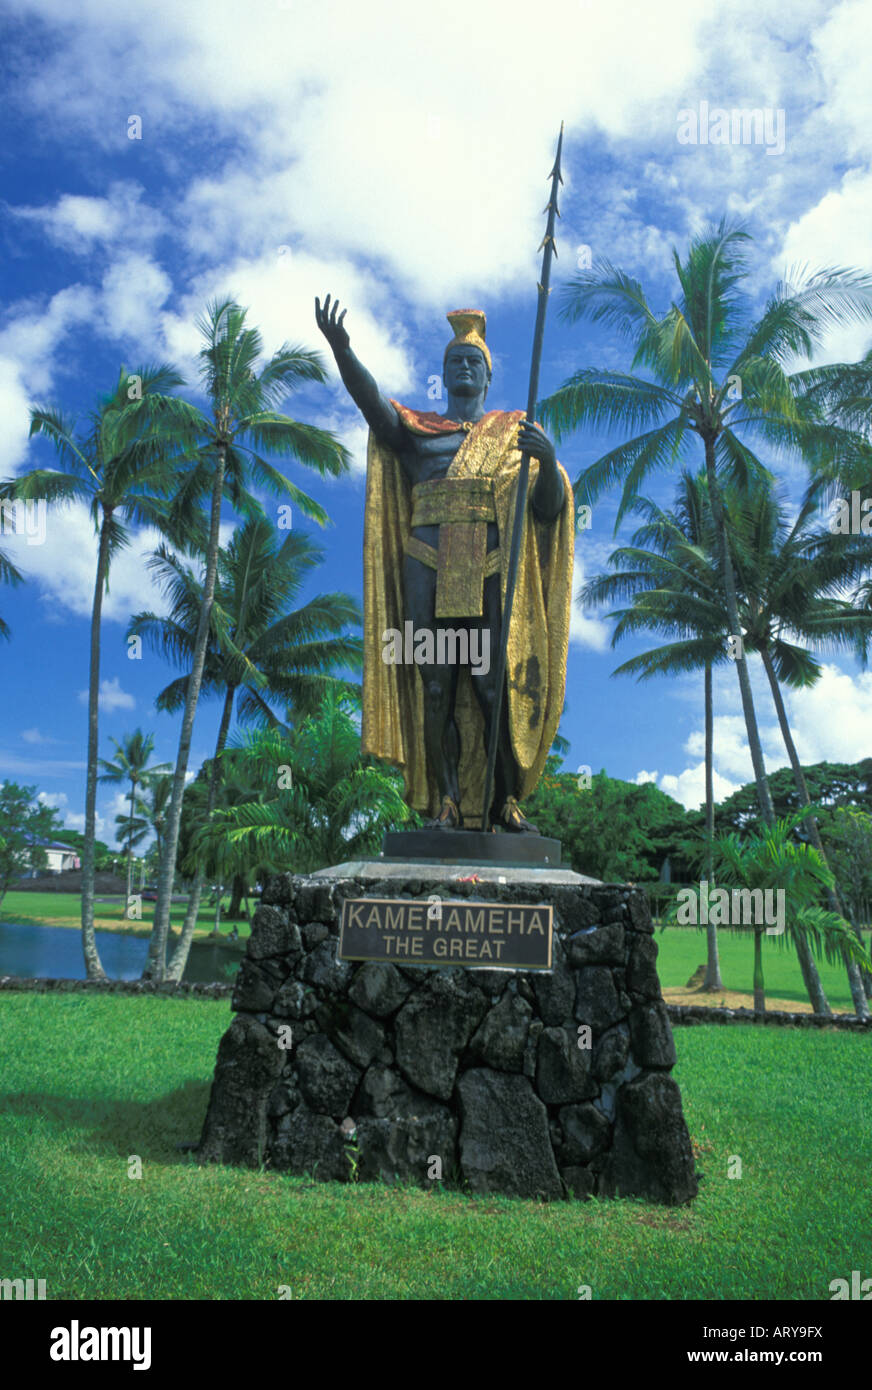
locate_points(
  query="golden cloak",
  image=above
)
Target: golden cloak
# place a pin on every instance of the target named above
(393, 698)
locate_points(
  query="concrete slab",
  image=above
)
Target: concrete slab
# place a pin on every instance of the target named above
(439, 870)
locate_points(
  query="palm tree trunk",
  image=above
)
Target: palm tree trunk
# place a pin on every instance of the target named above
(237, 889)
(820, 1002)
(764, 795)
(179, 958)
(93, 965)
(156, 967)
(713, 967)
(130, 851)
(759, 990)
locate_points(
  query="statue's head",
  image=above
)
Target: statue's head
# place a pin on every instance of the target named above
(466, 367)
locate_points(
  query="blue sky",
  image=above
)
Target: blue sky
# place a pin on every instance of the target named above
(396, 157)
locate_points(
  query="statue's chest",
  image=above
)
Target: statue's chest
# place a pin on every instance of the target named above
(430, 456)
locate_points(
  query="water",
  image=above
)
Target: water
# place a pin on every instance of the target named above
(35, 951)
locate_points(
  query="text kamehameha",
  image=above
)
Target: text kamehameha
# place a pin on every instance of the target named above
(461, 931)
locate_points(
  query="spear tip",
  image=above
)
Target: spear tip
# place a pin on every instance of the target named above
(556, 169)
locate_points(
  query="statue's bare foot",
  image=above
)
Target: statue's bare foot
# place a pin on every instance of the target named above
(449, 817)
(512, 819)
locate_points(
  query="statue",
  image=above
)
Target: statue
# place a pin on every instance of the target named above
(439, 509)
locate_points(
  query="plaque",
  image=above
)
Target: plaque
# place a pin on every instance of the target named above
(442, 932)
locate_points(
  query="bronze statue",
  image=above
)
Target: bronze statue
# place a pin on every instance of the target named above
(439, 509)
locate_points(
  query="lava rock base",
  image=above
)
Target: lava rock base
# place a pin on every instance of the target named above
(525, 1083)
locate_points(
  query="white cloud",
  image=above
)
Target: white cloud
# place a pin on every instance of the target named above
(688, 786)
(322, 143)
(134, 291)
(837, 231)
(832, 720)
(15, 413)
(76, 821)
(12, 764)
(56, 799)
(111, 696)
(65, 567)
(34, 736)
(28, 343)
(846, 34)
(584, 629)
(80, 224)
(642, 777)
(34, 334)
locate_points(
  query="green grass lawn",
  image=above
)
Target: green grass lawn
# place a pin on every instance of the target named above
(88, 1081)
(682, 949)
(64, 910)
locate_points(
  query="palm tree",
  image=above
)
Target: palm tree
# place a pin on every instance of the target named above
(243, 421)
(668, 575)
(714, 375)
(8, 575)
(131, 765)
(257, 649)
(157, 791)
(790, 576)
(125, 465)
(773, 858)
(334, 806)
(131, 830)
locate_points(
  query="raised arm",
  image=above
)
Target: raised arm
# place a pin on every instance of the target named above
(378, 412)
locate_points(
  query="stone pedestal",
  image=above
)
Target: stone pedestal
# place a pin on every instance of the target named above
(472, 1077)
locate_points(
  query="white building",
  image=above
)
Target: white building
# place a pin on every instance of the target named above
(59, 858)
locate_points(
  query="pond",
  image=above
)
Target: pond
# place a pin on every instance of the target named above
(35, 951)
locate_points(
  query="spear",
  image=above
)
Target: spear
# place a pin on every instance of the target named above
(523, 480)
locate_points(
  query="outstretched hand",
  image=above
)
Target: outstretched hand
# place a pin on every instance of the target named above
(330, 325)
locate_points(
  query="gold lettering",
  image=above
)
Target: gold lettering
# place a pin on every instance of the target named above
(417, 945)
(485, 949)
(402, 945)
(471, 949)
(389, 942)
(440, 946)
(394, 917)
(495, 913)
(354, 910)
(374, 919)
(516, 919)
(475, 920)
(499, 945)
(415, 919)
(459, 944)
(536, 925)
(453, 920)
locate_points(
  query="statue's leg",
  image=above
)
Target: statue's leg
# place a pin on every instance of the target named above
(506, 773)
(441, 737)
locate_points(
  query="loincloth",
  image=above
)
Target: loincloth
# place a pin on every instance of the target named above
(461, 508)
